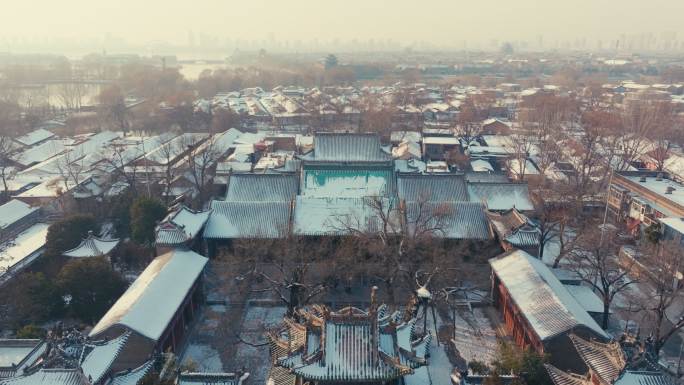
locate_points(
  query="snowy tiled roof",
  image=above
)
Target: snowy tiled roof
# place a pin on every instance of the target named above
(353, 345)
(542, 299)
(631, 377)
(486, 177)
(35, 136)
(181, 225)
(132, 377)
(590, 301)
(347, 182)
(335, 216)
(92, 246)
(170, 234)
(26, 244)
(432, 188)
(481, 165)
(501, 196)
(150, 302)
(333, 147)
(19, 354)
(606, 360)
(211, 378)
(49, 377)
(99, 357)
(39, 153)
(14, 211)
(248, 220)
(452, 220)
(262, 187)
(559, 377)
(515, 228)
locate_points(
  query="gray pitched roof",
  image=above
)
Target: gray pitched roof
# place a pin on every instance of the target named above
(211, 378)
(132, 377)
(262, 187)
(334, 147)
(432, 188)
(559, 377)
(49, 377)
(543, 300)
(356, 346)
(515, 228)
(452, 220)
(247, 220)
(501, 196)
(162, 286)
(633, 377)
(607, 360)
(92, 246)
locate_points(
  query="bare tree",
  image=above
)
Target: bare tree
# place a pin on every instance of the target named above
(595, 261)
(113, 107)
(6, 172)
(71, 94)
(168, 157)
(71, 166)
(402, 237)
(663, 277)
(202, 164)
(286, 265)
(522, 145)
(664, 135)
(639, 120)
(586, 156)
(469, 122)
(118, 160)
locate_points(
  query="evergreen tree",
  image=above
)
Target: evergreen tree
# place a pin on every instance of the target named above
(145, 213)
(68, 233)
(91, 287)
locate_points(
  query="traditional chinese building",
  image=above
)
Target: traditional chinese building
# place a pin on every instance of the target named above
(605, 364)
(515, 231)
(351, 345)
(157, 308)
(180, 228)
(538, 310)
(93, 246)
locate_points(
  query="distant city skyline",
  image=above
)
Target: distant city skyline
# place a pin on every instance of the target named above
(152, 25)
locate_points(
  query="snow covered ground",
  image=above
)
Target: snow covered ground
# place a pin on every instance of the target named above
(206, 358)
(475, 337)
(256, 321)
(439, 368)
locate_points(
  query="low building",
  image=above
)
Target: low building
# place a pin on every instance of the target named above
(34, 137)
(538, 310)
(18, 356)
(19, 252)
(439, 147)
(349, 346)
(501, 196)
(180, 228)
(92, 247)
(515, 231)
(641, 198)
(15, 217)
(606, 364)
(156, 308)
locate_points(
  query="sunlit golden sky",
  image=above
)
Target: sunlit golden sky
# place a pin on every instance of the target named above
(444, 22)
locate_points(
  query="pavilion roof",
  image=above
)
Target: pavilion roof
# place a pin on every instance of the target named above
(352, 345)
(92, 246)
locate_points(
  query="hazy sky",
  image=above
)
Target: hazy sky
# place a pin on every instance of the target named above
(445, 22)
